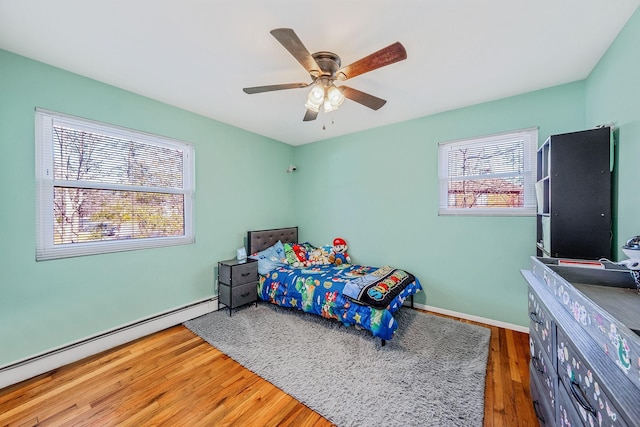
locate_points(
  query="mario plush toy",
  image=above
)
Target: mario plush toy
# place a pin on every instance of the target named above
(339, 253)
(301, 253)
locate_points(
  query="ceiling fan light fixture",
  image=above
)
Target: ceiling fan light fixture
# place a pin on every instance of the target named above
(313, 107)
(315, 98)
(316, 95)
(328, 107)
(335, 96)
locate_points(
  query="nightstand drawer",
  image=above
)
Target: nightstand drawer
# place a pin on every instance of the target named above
(238, 274)
(238, 295)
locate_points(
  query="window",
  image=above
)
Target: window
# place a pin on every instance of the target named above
(102, 188)
(491, 175)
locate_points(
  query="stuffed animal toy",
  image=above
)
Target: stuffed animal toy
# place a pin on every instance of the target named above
(324, 255)
(292, 258)
(315, 256)
(319, 256)
(339, 253)
(301, 254)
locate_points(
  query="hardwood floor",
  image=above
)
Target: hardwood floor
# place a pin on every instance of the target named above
(175, 378)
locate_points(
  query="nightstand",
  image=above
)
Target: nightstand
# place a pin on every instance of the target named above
(237, 282)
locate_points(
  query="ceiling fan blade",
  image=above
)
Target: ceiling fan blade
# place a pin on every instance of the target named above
(385, 56)
(270, 88)
(363, 98)
(288, 38)
(310, 115)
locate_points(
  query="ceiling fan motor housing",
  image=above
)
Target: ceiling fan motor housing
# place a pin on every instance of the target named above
(328, 62)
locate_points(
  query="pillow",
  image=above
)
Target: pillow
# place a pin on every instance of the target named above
(270, 258)
(279, 249)
(276, 250)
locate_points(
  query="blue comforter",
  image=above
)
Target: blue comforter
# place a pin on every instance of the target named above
(320, 290)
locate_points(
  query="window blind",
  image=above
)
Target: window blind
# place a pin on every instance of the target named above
(490, 175)
(103, 188)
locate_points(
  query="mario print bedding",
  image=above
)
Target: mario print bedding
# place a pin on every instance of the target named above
(352, 294)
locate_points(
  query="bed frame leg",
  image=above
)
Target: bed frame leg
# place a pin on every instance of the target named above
(384, 342)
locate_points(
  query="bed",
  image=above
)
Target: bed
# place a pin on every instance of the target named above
(356, 295)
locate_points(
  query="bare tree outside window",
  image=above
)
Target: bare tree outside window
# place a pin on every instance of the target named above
(476, 176)
(88, 214)
(488, 174)
(110, 186)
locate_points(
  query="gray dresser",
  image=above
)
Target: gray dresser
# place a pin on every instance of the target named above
(585, 356)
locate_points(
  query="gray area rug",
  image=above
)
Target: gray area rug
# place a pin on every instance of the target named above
(432, 373)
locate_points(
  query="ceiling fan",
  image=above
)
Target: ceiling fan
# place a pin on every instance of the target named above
(325, 68)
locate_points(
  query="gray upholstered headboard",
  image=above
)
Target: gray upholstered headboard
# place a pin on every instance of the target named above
(261, 239)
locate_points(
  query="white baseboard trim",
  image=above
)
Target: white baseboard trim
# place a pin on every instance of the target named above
(55, 358)
(491, 322)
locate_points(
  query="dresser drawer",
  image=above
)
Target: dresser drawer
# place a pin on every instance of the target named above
(238, 274)
(235, 296)
(542, 368)
(545, 412)
(542, 325)
(584, 387)
(568, 415)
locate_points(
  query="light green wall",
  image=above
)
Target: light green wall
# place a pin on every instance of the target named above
(47, 304)
(613, 96)
(379, 190)
(383, 198)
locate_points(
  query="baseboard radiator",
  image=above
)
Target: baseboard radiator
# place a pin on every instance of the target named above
(52, 359)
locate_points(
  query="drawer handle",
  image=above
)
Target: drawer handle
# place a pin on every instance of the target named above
(578, 394)
(245, 274)
(245, 295)
(536, 409)
(534, 318)
(537, 364)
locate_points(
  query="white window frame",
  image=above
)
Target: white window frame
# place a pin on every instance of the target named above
(528, 136)
(45, 182)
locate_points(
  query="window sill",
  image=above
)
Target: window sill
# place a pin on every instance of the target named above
(487, 212)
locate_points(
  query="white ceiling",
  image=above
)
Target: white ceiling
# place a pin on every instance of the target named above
(199, 54)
